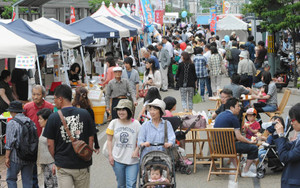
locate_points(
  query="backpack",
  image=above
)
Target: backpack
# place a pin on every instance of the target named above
(28, 146)
(228, 54)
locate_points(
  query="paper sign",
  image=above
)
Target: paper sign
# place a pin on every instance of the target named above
(112, 34)
(94, 94)
(25, 62)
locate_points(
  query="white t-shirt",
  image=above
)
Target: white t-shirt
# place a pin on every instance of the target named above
(125, 140)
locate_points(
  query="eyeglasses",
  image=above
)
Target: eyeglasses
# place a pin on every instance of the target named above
(292, 120)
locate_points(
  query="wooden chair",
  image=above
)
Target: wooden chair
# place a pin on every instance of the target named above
(180, 114)
(284, 101)
(222, 145)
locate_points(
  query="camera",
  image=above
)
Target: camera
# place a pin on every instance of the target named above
(270, 126)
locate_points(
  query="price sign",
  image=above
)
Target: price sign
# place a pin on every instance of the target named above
(95, 94)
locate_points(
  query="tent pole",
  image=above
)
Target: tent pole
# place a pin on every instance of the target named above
(65, 69)
(121, 48)
(131, 49)
(40, 75)
(84, 66)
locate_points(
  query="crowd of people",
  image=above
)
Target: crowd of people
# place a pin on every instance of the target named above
(189, 59)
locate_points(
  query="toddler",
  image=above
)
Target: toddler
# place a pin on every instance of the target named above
(251, 127)
(170, 106)
(156, 175)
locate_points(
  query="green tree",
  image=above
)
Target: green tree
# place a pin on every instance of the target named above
(96, 4)
(278, 15)
(8, 10)
(168, 8)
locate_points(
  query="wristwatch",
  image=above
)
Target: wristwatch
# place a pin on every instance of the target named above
(280, 135)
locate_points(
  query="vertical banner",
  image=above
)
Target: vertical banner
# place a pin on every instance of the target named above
(147, 12)
(159, 16)
(226, 7)
(6, 64)
(72, 15)
(213, 19)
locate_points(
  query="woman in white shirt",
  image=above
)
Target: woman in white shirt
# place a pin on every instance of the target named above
(123, 153)
(152, 76)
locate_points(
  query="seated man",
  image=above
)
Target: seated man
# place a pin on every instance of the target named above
(225, 94)
(236, 88)
(228, 119)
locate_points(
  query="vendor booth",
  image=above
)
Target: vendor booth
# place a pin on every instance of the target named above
(231, 23)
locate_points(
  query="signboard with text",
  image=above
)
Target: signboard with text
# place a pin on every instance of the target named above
(25, 62)
(159, 16)
(213, 19)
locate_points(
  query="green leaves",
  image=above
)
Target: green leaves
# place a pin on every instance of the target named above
(96, 4)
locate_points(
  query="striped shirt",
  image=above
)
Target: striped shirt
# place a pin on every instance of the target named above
(200, 65)
(155, 135)
(13, 135)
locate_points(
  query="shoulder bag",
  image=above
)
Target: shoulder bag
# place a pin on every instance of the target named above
(83, 150)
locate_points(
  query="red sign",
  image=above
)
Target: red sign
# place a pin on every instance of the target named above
(72, 15)
(159, 16)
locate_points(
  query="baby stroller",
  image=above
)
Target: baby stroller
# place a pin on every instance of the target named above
(165, 160)
(272, 155)
(180, 166)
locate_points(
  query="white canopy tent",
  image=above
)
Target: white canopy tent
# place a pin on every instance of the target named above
(19, 46)
(231, 23)
(140, 31)
(68, 39)
(103, 11)
(112, 9)
(5, 21)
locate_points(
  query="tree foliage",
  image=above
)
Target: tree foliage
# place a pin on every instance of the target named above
(276, 14)
(96, 4)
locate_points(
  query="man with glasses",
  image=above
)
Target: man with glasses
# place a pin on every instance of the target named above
(289, 152)
(225, 94)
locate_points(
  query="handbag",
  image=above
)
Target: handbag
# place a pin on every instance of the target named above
(83, 150)
(143, 92)
(188, 120)
(197, 98)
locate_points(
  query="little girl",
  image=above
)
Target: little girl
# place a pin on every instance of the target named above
(156, 175)
(251, 127)
(170, 106)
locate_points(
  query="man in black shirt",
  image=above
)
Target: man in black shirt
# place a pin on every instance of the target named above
(81, 126)
(257, 82)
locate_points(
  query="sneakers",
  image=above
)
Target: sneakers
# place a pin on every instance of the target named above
(248, 174)
(188, 162)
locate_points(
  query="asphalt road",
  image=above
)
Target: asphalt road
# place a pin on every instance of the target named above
(102, 175)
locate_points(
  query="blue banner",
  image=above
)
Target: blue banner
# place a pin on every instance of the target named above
(147, 12)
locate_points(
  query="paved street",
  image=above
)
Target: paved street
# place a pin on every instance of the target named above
(102, 175)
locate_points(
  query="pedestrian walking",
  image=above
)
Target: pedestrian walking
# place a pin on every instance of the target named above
(164, 60)
(71, 169)
(45, 160)
(21, 148)
(246, 69)
(122, 134)
(214, 65)
(187, 78)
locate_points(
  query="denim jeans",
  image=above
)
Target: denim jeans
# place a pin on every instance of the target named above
(233, 68)
(126, 174)
(250, 149)
(35, 177)
(261, 152)
(26, 173)
(205, 81)
(258, 84)
(269, 108)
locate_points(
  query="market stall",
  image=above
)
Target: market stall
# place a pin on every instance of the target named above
(231, 23)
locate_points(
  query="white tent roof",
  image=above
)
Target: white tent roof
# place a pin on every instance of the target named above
(103, 11)
(129, 24)
(69, 40)
(112, 9)
(12, 45)
(231, 22)
(123, 31)
(125, 10)
(5, 21)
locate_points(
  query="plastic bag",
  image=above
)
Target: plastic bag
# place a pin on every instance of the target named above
(197, 98)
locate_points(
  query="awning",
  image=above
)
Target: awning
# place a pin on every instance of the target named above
(33, 3)
(96, 28)
(139, 28)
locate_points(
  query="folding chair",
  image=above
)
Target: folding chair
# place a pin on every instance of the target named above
(221, 143)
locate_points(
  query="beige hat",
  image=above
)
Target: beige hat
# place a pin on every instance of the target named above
(117, 69)
(158, 103)
(189, 50)
(244, 54)
(124, 103)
